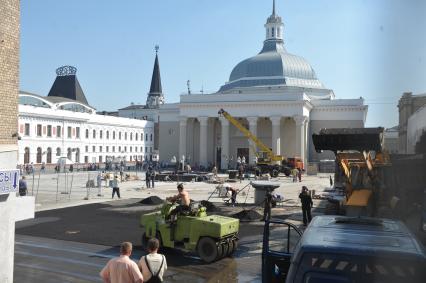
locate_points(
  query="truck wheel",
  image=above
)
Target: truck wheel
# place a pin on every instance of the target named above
(274, 173)
(225, 248)
(234, 245)
(208, 250)
(286, 171)
(144, 241)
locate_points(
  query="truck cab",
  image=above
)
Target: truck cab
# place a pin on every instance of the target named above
(339, 249)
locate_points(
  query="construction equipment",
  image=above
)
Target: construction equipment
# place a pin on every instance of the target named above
(212, 237)
(267, 161)
(361, 166)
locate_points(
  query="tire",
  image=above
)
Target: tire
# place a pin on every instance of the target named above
(274, 173)
(225, 247)
(235, 245)
(208, 250)
(286, 171)
(144, 241)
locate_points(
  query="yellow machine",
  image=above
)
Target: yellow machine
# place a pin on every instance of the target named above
(266, 159)
(360, 160)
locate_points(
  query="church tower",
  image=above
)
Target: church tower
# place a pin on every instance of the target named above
(155, 95)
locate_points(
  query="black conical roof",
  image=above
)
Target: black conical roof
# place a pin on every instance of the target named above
(66, 85)
(156, 89)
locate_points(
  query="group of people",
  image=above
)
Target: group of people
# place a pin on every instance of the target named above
(150, 268)
(150, 178)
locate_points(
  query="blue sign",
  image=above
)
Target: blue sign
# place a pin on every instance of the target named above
(9, 181)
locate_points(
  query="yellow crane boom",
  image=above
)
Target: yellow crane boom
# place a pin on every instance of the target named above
(263, 148)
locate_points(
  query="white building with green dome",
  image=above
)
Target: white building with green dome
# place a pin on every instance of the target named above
(275, 94)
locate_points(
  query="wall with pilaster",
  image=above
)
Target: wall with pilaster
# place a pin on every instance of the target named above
(169, 140)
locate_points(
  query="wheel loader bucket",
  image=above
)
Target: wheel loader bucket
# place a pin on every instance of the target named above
(345, 139)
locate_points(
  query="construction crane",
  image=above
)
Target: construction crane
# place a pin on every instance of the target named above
(267, 161)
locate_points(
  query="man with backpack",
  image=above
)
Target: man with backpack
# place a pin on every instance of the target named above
(153, 265)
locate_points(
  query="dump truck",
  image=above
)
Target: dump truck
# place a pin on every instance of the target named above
(267, 161)
(211, 237)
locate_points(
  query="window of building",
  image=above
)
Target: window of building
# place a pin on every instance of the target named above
(107, 135)
(58, 151)
(27, 129)
(38, 130)
(87, 148)
(107, 149)
(100, 134)
(136, 149)
(150, 149)
(39, 155)
(69, 132)
(125, 149)
(100, 158)
(49, 130)
(131, 136)
(58, 131)
(146, 137)
(77, 132)
(86, 159)
(141, 149)
(136, 136)
(272, 32)
(94, 134)
(93, 148)
(125, 136)
(146, 149)
(150, 137)
(119, 149)
(119, 135)
(100, 148)
(87, 133)
(113, 149)
(113, 135)
(130, 148)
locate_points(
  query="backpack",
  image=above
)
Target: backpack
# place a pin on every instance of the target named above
(154, 278)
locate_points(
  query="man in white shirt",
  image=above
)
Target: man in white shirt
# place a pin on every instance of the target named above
(153, 264)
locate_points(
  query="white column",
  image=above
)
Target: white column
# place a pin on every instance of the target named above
(276, 134)
(203, 140)
(300, 136)
(182, 138)
(225, 143)
(253, 129)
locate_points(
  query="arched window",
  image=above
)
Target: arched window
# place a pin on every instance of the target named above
(113, 135)
(136, 136)
(58, 151)
(87, 133)
(39, 154)
(125, 136)
(273, 32)
(69, 153)
(94, 134)
(27, 155)
(49, 155)
(107, 135)
(131, 136)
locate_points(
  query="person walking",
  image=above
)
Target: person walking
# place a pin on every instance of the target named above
(331, 182)
(147, 179)
(122, 268)
(153, 265)
(99, 183)
(115, 188)
(152, 177)
(299, 174)
(23, 189)
(214, 171)
(307, 204)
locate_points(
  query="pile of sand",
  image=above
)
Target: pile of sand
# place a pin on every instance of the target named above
(247, 215)
(151, 200)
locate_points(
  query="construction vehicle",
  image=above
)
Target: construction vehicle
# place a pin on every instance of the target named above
(212, 237)
(342, 249)
(361, 165)
(267, 161)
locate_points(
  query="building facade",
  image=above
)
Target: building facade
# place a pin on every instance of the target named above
(12, 208)
(55, 126)
(390, 140)
(408, 104)
(275, 94)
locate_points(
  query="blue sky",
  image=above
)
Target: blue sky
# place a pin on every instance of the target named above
(374, 49)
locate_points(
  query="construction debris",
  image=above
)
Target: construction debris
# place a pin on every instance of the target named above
(208, 205)
(152, 200)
